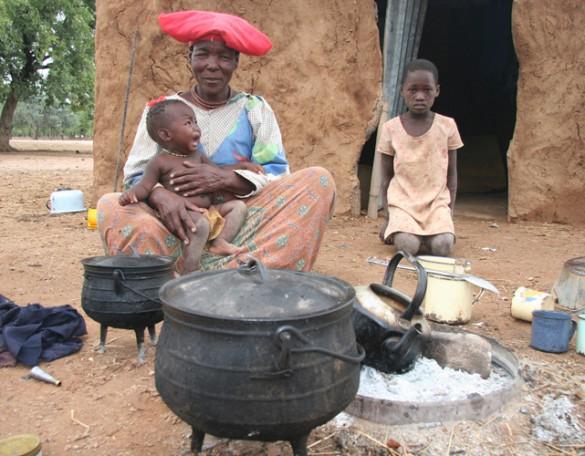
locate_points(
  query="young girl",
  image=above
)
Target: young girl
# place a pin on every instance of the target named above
(419, 168)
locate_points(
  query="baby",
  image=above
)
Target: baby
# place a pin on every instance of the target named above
(171, 124)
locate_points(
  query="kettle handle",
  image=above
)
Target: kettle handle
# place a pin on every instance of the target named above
(421, 286)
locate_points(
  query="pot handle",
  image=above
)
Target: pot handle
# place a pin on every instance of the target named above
(119, 283)
(254, 267)
(283, 339)
(478, 296)
(421, 286)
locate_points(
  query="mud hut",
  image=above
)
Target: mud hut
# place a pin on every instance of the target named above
(511, 75)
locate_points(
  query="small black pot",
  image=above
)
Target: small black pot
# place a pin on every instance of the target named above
(122, 292)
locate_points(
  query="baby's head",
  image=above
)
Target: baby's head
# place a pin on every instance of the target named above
(420, 85)
(171, 123)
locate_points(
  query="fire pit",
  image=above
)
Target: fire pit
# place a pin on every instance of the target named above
(482, 398)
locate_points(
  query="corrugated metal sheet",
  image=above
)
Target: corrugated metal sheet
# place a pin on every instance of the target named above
(404, 25)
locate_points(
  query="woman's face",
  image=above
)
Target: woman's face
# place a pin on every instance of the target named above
(213, 64)
(419, 91)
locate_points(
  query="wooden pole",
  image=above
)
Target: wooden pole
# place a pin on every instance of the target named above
(376, 171)
(123, 122)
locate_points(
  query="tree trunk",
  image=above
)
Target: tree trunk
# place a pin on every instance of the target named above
(6, 120)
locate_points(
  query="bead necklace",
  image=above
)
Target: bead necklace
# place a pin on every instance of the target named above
(209, 104)
(175, 154)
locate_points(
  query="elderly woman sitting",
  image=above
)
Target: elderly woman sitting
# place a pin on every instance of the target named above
(287, 212)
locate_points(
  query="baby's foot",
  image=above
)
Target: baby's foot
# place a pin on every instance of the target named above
(222, 247)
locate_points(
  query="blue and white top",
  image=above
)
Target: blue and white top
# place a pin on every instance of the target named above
(245, 129)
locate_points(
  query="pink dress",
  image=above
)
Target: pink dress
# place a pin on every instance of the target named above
(418, 197)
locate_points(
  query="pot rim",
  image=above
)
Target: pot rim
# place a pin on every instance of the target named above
(347, 301)
(165, 264)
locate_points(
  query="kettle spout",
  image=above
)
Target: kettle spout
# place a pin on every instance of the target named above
(398, 349)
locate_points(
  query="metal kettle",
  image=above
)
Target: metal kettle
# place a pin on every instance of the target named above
(392, 346)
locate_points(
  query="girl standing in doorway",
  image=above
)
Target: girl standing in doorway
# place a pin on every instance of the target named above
(419, 168)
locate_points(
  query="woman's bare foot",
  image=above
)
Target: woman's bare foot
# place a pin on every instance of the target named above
(222, 247)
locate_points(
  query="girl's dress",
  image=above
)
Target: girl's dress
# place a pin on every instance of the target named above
(418, 197)
(287, 212)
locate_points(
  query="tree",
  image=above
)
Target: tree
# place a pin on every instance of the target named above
(46, 47)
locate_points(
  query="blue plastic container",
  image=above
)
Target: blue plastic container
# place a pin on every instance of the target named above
(551, 331)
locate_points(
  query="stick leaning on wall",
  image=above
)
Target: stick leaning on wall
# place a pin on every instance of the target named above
(124, 113)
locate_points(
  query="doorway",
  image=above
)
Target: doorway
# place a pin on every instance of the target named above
(471, 44)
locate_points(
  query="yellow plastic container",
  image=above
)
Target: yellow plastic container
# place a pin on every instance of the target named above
(21, 445)
(92, 219)
(526, 300)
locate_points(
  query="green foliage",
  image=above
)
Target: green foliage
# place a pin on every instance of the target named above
(34, 119)
(47, 47)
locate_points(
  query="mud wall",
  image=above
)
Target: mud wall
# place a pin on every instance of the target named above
(322, 78)
(547, 154)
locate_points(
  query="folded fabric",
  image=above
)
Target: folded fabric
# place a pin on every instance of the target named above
(235, 32)
(35, 333)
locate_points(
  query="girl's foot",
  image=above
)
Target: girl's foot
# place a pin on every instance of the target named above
(222, 247)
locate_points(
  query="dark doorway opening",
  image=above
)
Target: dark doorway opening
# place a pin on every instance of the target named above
(470, 41)
(471, 44)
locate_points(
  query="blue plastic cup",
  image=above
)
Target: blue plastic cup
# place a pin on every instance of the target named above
(551, 331)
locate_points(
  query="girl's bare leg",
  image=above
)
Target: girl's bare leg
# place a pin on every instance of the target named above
(407, 242)
(234, 214)
(197, 240)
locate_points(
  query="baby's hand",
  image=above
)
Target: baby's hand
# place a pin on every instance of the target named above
(254, 167)
(128, 197)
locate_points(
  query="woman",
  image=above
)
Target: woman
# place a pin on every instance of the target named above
(287, 212)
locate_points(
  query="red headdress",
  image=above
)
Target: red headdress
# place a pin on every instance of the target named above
(235, 32)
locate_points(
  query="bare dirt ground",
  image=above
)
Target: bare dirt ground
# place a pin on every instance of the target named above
(108, 404)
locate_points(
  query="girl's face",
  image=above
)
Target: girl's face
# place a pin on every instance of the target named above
(420, 91)
(213, 64)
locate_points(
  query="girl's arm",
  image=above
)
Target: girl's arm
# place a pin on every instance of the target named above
(452, 178)
(387, 170)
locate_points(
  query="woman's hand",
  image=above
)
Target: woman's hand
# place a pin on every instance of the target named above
(198, 178)
(173, 210)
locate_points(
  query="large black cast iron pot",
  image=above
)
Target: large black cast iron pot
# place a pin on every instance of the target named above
(122, 292)
(258, 354)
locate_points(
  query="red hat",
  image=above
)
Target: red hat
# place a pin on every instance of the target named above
(235, 32)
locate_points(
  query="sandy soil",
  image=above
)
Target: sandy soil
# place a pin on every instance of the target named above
(108, 404)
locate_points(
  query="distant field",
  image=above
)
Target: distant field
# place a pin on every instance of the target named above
(52, 145)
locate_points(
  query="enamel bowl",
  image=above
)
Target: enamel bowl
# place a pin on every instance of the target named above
(63, 201)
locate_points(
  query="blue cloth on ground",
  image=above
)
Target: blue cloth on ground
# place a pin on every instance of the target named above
(35, 333)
